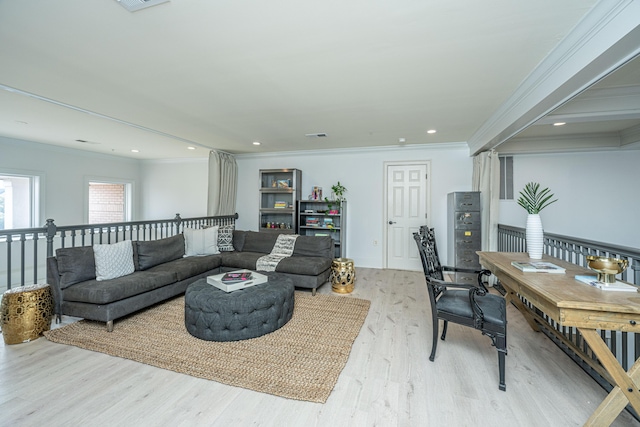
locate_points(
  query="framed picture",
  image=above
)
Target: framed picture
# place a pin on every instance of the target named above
(316, 193)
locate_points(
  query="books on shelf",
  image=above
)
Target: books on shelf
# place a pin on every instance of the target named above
(312, 222)
(280, 205)
(538, 267)
(618, 286)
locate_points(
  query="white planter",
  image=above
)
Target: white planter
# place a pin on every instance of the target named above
(535, 236)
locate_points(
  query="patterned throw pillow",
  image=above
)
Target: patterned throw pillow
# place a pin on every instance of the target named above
(225, 238)
(114, 260)
(198, 242)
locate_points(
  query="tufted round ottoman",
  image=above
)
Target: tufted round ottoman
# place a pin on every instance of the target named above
(215, 315)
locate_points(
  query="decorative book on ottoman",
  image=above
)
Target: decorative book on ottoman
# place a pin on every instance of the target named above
(234, 280)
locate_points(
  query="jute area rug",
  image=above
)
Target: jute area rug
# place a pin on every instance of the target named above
(302, 360)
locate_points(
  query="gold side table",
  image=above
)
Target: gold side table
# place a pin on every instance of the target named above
(343, 275)
(25, 313)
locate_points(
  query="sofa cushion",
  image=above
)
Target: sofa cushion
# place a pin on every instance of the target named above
(154, 252)
(304, 265)
(75, 265)
(259, 242)
(237, 260)
(318, 246)
(113, 261)
(107, 291)
(225, 238)
(184, 268)
(201, 241)
(238, 240)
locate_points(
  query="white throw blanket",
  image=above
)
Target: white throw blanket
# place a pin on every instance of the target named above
(282, 249)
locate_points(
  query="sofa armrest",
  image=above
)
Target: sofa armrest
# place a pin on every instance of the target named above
(53, 279)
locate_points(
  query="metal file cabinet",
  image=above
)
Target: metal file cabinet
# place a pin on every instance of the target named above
(463, 233)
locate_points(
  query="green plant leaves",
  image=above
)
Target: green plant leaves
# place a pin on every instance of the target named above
(532, 200)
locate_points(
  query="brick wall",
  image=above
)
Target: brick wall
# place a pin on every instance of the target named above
(106, 203)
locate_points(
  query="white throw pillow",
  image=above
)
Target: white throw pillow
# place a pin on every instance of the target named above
(199, 242)
(114, 260)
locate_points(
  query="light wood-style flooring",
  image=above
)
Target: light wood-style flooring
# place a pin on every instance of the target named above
(388, 380)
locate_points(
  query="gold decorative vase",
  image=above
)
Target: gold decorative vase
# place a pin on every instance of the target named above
(26, 313)
(343, 275)
(607, 268)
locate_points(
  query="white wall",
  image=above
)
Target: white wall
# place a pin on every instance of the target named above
(362, 172)
(63, 175)
(174, 186)
(597, 191)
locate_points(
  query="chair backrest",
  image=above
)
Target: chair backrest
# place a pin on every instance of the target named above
(425, 239)
(427, 246)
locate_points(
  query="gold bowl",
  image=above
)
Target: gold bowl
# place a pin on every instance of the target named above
(607, 268)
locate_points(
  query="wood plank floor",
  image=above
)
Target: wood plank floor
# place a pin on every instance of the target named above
(388, 380)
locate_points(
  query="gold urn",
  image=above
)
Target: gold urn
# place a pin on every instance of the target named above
(607, 268)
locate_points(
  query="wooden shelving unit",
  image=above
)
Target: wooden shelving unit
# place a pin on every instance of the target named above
(314, 218)
(279, 194)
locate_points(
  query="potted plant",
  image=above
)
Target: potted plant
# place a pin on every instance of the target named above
(337, 191)
(533, 200)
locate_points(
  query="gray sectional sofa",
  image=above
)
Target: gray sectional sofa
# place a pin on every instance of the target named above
(162, 271)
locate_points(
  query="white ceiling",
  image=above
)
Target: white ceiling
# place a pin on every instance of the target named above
(220, 75)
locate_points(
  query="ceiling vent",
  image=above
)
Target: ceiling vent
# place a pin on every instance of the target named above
(316, 135)
(133, 5)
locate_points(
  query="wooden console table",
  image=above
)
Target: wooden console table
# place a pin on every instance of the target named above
(574, 304)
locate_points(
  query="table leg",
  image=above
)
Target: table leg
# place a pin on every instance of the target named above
(625, 389)
(512, 297)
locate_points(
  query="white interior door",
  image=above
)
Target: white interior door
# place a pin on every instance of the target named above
(406, 212)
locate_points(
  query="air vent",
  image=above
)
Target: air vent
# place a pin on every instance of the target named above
(84, 141)
(133, 5)
(316, 135)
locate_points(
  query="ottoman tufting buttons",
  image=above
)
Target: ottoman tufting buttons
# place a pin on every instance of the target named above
(241, 314)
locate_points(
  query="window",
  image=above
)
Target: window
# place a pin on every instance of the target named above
(109, 202)
(506, 178)
(19, 197)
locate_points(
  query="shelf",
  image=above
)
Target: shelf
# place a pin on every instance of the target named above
(287, 196)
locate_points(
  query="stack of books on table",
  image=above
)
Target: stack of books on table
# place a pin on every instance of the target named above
(538, 267)
(234, 280)
(618, 286)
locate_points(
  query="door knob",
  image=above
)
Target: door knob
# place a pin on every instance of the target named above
(391, 222)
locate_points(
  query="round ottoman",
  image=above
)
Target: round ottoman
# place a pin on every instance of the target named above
(215, 315)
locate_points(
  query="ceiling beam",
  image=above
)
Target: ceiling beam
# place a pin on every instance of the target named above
(603, 41)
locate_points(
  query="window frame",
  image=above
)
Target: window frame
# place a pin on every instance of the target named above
(128, 194)
(36, 194)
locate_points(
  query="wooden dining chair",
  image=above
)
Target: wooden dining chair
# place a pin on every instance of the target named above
(464, 304)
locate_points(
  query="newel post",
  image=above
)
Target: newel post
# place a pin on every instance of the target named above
(50, 230)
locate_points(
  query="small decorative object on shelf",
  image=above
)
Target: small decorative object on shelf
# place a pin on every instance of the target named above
(316, 193)
(533, 200)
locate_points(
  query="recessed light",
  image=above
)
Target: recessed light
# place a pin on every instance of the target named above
(559, 124)
(191, 148)
(402, 140)
(135, 151)
(431, 131)
(256, 143)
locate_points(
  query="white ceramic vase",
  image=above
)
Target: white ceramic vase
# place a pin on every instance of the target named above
(535, 236)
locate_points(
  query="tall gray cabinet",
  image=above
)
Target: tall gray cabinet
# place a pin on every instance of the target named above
(463, 233)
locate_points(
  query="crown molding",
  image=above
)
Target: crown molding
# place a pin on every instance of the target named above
(604, 40)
